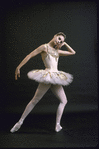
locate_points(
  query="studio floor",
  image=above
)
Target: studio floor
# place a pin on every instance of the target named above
(80, 129)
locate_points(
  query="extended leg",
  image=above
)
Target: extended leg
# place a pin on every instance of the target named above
(41, 90)
(60, 94)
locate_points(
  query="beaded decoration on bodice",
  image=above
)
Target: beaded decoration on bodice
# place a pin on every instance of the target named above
(52, 52)
(51, 60)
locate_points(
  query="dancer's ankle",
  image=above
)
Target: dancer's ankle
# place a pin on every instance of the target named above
(21, 121)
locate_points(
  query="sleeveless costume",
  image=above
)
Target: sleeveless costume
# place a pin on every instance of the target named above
(51, 75)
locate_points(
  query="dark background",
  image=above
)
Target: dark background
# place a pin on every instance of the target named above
(25, 25)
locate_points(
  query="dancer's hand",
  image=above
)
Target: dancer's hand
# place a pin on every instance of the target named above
(17, 73)
(63, 44)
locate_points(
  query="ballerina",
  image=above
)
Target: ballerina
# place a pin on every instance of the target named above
(50, 77)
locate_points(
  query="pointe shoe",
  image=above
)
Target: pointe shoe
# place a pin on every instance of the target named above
(58, 127)
(16, 127)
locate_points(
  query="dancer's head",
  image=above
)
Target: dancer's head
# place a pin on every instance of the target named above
(59, 38)
(61, 34)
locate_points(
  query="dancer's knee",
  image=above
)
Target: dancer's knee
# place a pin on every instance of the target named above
(34, 101)
(63, 101)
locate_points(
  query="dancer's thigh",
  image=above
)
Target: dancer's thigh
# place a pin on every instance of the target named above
(59, 93)
(41, 90)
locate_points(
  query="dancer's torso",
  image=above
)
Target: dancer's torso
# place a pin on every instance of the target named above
(50, 59)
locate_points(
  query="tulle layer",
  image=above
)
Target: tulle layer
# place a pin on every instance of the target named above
(50, 77)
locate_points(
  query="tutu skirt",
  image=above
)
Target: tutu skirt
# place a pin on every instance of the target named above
(50, 77)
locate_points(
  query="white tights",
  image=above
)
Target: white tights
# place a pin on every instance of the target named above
(41, 90)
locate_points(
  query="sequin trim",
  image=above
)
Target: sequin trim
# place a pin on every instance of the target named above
(56, 74)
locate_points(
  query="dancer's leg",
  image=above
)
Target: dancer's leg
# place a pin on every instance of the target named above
(41, 90)
(60, 94)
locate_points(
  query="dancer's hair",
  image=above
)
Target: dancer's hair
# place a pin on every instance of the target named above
(61, 33)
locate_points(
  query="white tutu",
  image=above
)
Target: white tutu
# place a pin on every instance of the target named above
(50, 77)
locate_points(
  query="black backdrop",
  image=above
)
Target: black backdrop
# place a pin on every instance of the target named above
(25, 25)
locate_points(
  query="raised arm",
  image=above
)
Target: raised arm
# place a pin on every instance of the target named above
(27, 58)
(66, 53)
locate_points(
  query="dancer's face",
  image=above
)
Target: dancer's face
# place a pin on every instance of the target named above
(58, 40)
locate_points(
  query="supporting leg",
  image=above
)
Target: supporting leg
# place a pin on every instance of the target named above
(41, 90)
(60, 94)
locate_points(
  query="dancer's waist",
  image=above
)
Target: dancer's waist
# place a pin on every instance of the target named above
(51, 69)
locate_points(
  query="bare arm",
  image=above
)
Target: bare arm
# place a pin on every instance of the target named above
(66, 53)
(27, 58)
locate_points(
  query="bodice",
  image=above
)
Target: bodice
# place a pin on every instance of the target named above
(51, 60)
